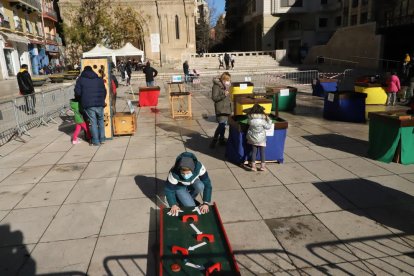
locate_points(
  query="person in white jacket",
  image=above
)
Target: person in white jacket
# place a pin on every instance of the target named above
(258, 122)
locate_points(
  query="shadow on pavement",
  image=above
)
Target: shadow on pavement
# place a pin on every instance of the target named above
(137, 264)
(340, 142)
(387, 206)
(15, 254)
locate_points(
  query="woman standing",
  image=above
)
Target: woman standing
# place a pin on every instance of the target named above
(222, 105)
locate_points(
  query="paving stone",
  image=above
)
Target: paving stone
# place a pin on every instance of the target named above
(366, 238)
(394, 167)
(145, 131)
(308, 242)
(79, 153)
(47, 194)
(293, 173)
(259, 255)
(397, 185)
(76, 221)
(352, 268)
(26, 225)
(26, 175)
(129, 254)
(173, 150)
(140, 152)
(138, 167)
(292, 143)
(303, 154)
(331, 153)
(319, 197)
(164, 164)
(398, 265)
(5, 172)
(135, 187)
(58, 146)
(60, 257)
(361, 167)
(11, 195)
(91, 190)
(109, 153)
(3, 214)
(234, 206)
(62, 172)
(47, 158)
(327, 170)
(129, 216)
(249, 179)
(13, 257)
(223, 179)
(408, 176)
(276, 202)
(102, 169)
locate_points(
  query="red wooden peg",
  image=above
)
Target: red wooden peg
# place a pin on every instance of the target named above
(182, 250)
(210, 237)
(186, 217)
(214, 267)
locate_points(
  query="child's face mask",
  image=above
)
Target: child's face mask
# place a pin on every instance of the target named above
(227, 83)
(186, 175)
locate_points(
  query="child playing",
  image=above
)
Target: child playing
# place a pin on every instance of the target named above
(393, 87)
(256, 135)
(80, 122)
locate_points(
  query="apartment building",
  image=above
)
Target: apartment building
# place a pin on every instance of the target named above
(22, 36)
(284, 24)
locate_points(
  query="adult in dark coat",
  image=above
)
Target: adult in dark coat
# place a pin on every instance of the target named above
(227, 60)
(222, 105)
(90, 89)
(24, 80)
(186, 70)
(150, 74)
(128, 70)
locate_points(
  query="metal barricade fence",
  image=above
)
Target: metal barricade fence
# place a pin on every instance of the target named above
(19, 115)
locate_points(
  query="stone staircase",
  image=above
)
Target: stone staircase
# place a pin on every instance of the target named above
(242, 61)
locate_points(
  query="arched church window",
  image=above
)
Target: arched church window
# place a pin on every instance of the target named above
(177, 28)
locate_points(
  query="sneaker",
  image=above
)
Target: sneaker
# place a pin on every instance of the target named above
(253, 168)
(102, 142)
(262, 167)
(75, 142)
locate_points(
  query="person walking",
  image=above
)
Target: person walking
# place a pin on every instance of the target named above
(227, 60)
(186, 70)
(393, 87)
(25, 83)
(222, 105)
(258, 123)
(220, 58)
(232, 62)
(122, 70)
(186, 180)
(128, 71)
(90, 89)
(150, 74)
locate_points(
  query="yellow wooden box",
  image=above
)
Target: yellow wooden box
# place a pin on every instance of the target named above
(242, 103)
(124, 123)
(238, 88)
(375, 95)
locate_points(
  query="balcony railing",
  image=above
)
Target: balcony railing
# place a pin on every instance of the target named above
(5, 24)
(18, 28)
(50, 13)
(27, 4)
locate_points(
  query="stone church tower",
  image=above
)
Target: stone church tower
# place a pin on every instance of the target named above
(170, 30)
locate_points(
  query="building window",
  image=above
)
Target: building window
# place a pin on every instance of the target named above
(324, 2)
(17, 22)
(354, 3)
(354, 19)
(323, 22)
(364, 18)
(177, 28)
(338, 21)
(291, 3)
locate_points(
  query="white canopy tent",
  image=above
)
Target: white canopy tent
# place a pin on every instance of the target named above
(129, 50)
(100, 51)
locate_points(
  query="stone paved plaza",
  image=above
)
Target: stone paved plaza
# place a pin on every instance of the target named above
(327, 210)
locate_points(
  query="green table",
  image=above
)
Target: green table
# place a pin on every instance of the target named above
(284, 97)
(177, 236)
(391, 139)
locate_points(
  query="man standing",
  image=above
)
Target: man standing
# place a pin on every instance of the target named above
(150, 74)
(227, 60)
(128, 70)
(24, 80)
(186, 70)
(90, 89)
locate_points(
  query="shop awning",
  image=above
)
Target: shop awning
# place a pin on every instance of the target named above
(16, 38)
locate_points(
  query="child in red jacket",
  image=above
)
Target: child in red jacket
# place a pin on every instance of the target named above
(393, 87)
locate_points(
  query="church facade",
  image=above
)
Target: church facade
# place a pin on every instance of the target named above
(169, 28)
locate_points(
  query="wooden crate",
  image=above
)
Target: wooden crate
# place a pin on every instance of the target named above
(124, 123)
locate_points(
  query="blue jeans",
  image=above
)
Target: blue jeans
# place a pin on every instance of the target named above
(186, 194)
(150, 83)
(96, 118)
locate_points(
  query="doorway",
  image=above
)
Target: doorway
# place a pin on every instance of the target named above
(9, 61)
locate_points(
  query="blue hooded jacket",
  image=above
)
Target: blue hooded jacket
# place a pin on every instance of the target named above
(90, 89)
